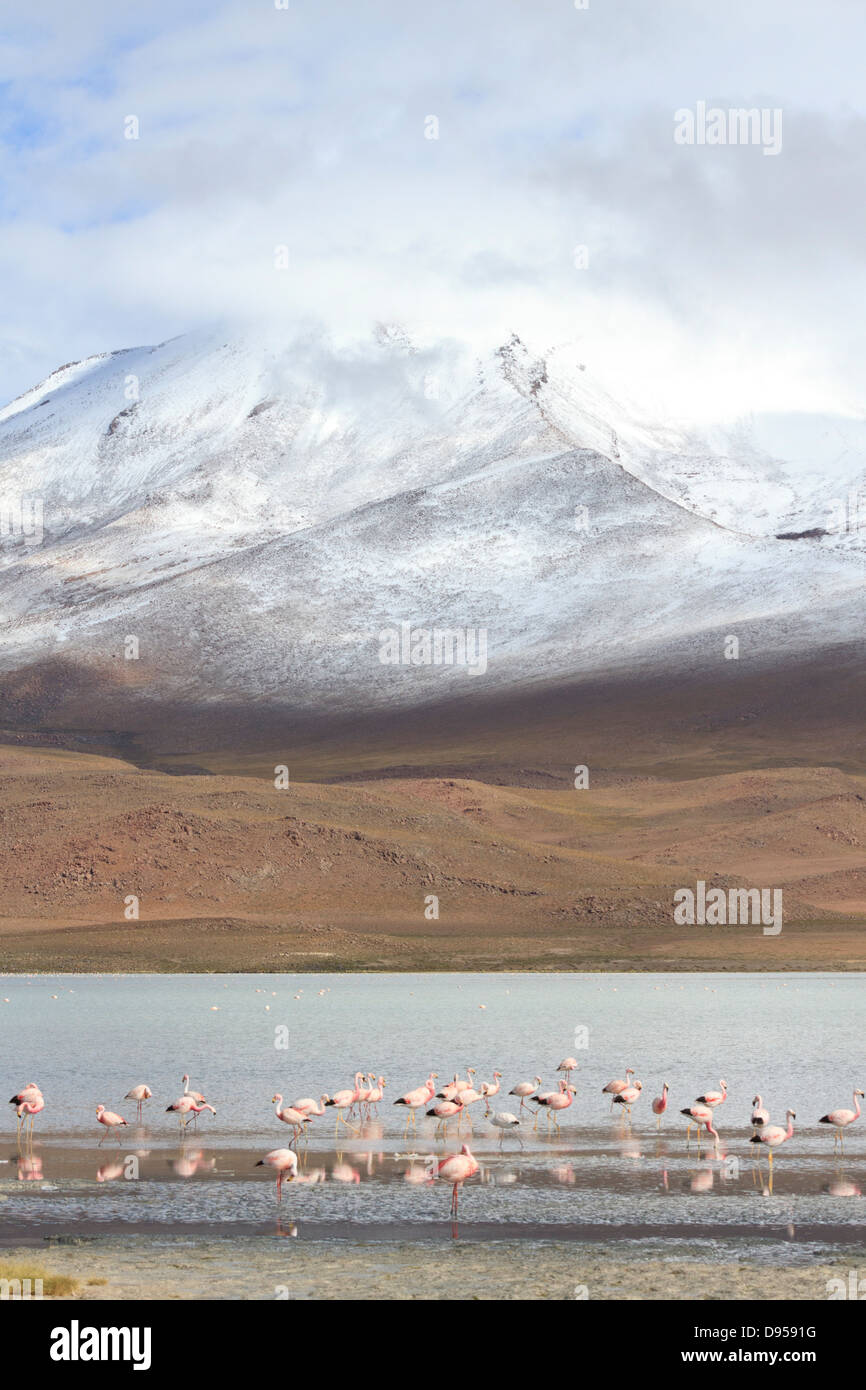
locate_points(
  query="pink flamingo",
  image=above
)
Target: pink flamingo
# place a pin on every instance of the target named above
(490, 1088)
(469, 1096)
(558, 1100)
(714, 1098)
(196, 1109)
(774, 1135)
(524, 1089)
(445, 1111)
(375, 1093)
(139, 1094)
(196, 1095)
(660, 1105)
(458, 1085)
(456, 1168)
(28, 1109)
(361, 1091)
(186, 1106)
(759, 1116)
(615, 1088)
(289, 1116)
(28, 1093)
(697, 1115)
(414, 1100)
(309, 1107)
(568, 1065)
(285, 1163)
(110, 1120)
(840, 1119)
(344, 1100)
(629, 1096)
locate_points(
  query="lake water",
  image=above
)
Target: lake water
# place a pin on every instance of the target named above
(598, 1182)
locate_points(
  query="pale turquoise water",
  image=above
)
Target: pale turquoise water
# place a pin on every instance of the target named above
(796, 1039)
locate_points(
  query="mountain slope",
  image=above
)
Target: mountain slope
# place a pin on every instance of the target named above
(255, 515)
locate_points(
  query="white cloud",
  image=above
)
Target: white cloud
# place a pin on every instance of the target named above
(718, 280)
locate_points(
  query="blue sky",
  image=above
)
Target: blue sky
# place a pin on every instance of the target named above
(718, 280)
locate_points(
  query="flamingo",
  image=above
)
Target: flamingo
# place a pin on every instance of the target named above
(362, 1092)
(309, 1107)
(449, 1090)
(773, 1136)
(457, 1086)
(289, 1116)
(469, 1096)
(615, 1088)
(187, 1105)
(110, 1120)
(568, 1065)
(344, 1100)
(445, 1111)
(490, 1088)
(698, 1115)
(414, 1100)
(28, 1094)
(759, 1116)
(558, 1100)
(524, 1089)
(504, 1121)
(285, 1163)
(28, 1109)
(456, 1168)
(196, 1108)
(139, 1094)
(376, 1093)
(701, 1115)
(840, 1119)
(196, 1095)
(714, 1098)
(629, 1096)
(541, 1098)
(660, 1105)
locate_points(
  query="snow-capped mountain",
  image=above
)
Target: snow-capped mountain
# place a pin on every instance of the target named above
(255, 517)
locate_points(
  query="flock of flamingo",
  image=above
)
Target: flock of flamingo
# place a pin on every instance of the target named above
(452, 1104)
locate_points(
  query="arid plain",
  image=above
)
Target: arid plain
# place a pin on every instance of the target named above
(473, 805)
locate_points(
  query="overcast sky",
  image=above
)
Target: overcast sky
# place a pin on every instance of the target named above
(720, 279)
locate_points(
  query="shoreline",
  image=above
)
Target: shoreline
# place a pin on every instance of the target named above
(219, 946)
(171, 1268)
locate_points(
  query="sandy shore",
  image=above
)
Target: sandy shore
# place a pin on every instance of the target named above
(262, 1268)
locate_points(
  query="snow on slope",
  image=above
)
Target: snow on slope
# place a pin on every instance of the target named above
(255, 514)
